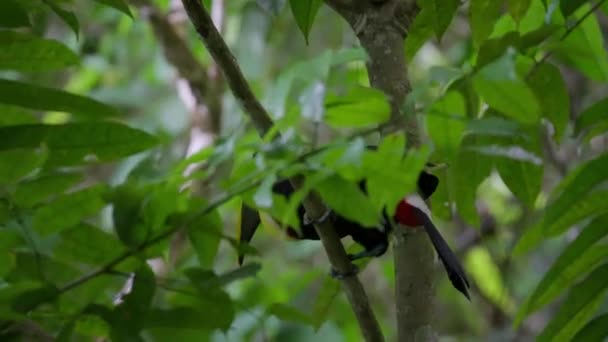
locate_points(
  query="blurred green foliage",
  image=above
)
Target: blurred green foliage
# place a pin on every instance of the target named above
(105, 231)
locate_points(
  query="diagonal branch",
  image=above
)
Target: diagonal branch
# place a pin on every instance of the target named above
(312, 203)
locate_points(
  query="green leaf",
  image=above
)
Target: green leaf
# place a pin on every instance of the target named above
(211, 299)
(43, 98)
(205, 236)
(575, 260)
(493, 49)
(183, 317)
(12, 15)
(348, 200)
(568, 7)
(584, 48)
(18, 163)
(245, 271)
(66, 16)
(483, 15)
(442, 12)
(522, 177)
(130, 316)
(588, 206)
(580, 305)
(117, 4)
(28, 300)
(74, 143)
(26, 52)
(468, 172)
(594, 331)
(305, 11)
(67, 210)
(87, 244)
(288, 313)
(445, 122)
(127, 201)
(518, 8)
(494, 126)
(575, 187)
(487, 275)
(420, 32)
(594, 120)
(550, 89)
(360, 107)
(500, 87)
(389, 177)
(39, 189)
(12, 116)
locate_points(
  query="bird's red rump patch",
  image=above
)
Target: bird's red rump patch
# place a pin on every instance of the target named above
(405, 215)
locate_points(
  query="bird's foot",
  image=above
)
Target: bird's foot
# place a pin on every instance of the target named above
(343, 275)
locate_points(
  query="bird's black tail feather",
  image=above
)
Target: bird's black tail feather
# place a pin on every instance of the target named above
(450, 261)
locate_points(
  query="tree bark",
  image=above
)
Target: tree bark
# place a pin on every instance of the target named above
(382, 26)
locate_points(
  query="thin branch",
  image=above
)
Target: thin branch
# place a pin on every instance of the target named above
(314, 206)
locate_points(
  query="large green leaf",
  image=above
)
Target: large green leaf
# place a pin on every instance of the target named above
(305, 11)
(12, 15)
(67, 210)
(588, 206)
(518, 8)
(66, 16)
(550, 89)
(129, 317)
(446, 123)
(205, 236)
(575, 187)
(483, 15)
(74, 143)
(442, 12)
(26, 52)
(468, 172)
(584, 48)
(581, 304)
(359, 107)
(117, 4)
(391, 176)
(594, 120)
(568, 7)
(87, 244)
(43, 98)
(500, 87)
(522, 177)
(494, 126)
(39, 189)
(594, 331)
(487, 275)
(420, 32)
(16, 164)
(574, 261)
(348, 200)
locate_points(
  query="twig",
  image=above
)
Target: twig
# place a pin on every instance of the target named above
(262, 122)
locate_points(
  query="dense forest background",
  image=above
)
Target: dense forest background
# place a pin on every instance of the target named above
(125, 159)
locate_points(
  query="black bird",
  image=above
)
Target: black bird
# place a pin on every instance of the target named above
(412, 211)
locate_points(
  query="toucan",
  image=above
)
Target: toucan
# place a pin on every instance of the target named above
(411, 211)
